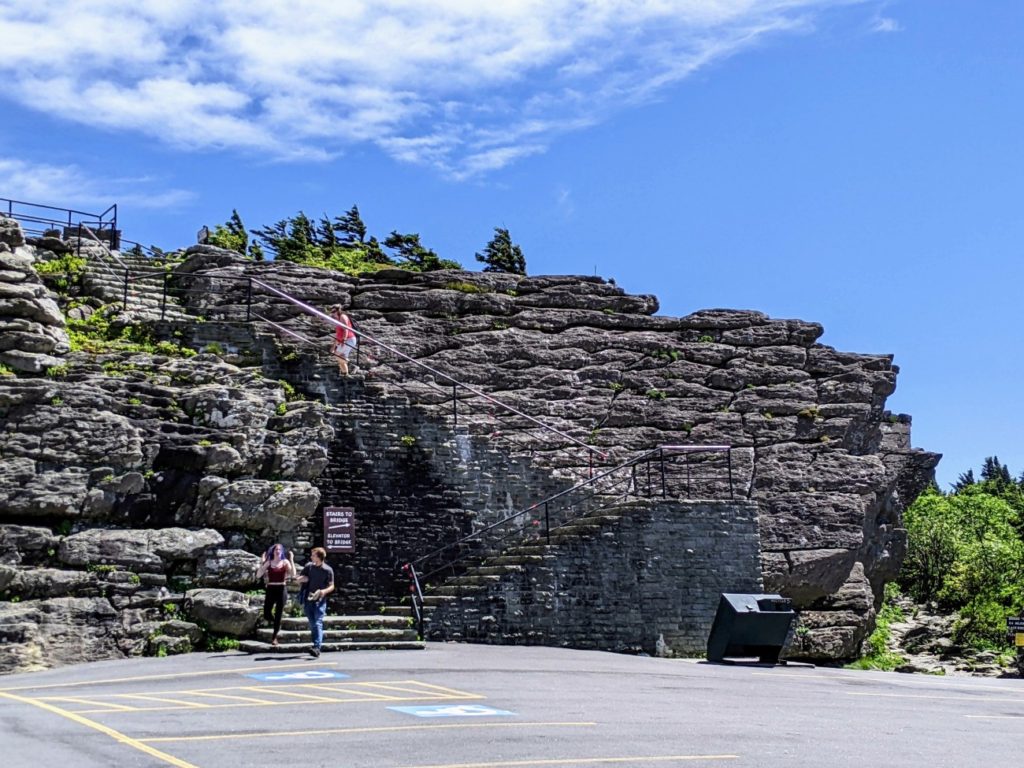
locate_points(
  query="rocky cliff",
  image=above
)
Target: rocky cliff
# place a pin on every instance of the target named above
(112, 455)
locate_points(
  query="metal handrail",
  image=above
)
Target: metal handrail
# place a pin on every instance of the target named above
(434, 371)
(645, 456)
(413, 568)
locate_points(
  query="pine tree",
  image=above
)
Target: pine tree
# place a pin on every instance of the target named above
(231, 235)
(993, 471)
(965, 480)
(502, 255)
(351, 226)
(413, 256)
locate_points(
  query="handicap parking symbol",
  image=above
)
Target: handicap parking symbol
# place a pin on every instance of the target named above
(304, 675)
(452, 710)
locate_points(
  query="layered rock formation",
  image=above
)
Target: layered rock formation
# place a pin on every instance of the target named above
(109, 452)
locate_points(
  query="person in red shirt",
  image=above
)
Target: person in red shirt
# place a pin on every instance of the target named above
(344, 339)
(276, 568)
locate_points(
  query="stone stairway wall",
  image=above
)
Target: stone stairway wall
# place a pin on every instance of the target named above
(644, 576)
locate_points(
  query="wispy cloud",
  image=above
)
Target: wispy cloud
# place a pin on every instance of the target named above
(21, 180)
(885, 24)
(463, 86)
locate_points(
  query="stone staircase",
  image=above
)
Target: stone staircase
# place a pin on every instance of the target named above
(104, 279)
(462, 594)
(381, 632)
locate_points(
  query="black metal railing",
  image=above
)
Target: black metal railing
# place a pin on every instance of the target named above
(661, 474)
(37, 219)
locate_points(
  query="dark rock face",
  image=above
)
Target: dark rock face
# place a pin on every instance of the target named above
(127, 478)
(830, 469)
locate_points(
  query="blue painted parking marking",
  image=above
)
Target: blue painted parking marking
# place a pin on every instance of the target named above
(452, 710)
(304, 675)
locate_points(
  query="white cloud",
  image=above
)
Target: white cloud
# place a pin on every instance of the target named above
(885, 24)
(39, 181)
(464, 86)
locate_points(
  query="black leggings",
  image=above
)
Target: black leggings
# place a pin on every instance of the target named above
(273, 605)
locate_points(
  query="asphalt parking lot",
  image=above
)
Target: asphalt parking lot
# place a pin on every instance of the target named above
(462, 706)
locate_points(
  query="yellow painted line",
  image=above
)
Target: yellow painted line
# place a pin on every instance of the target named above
(978, 699)
(116, 735)
(583, 761)
(449, 692)
(230, 696)
(164, 700)
(297, 665)
(372, 729)
(111, 707)
(429, 685)
(307, 697)
(367, 695)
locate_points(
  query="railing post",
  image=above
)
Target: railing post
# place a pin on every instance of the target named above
(689, 493)
(547, 523)
(163, 297)
(590, 463)
(248, 300)
(78, 246)
(455, 405)
(125, 296)
(661, 456)
(728, 460)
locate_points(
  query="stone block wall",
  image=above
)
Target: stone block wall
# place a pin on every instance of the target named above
(648, 583)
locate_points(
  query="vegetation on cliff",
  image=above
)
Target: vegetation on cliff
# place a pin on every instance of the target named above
(966, 553)
(343, 244)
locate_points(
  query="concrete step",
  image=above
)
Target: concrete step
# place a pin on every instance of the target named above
(492, 569)
(514, 559)
(352, 623)
(256, 646)
(266, 634)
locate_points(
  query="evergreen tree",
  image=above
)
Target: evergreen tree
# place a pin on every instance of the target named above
(502, 255)
(352, 227)
(413, 256)
(231, 235)
(965, 480)
(993, 471)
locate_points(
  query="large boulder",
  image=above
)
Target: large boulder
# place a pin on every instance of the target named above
(40, 634)
(138, 550)
(222, 611)
(228, 569)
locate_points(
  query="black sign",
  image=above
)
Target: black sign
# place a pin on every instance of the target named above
(340, 529)
(1014, 624)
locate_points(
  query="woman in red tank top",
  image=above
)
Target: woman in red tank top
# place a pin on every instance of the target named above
(276, 569)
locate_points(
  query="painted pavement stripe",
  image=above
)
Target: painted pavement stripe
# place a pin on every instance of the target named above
(362, 694)
(175, 676)
(367, 729)
(106, 730)
(165, 700)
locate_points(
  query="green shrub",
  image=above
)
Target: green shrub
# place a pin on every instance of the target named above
(656, 394)
(878, 655)
(965, 553)
(221, 643)
(464, 287)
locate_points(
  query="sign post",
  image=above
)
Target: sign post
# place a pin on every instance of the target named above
(1015, 629)
(340, 529)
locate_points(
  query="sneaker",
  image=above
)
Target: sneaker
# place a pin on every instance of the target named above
(314, 652)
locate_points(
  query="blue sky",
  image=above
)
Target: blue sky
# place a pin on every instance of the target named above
(854, 162)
